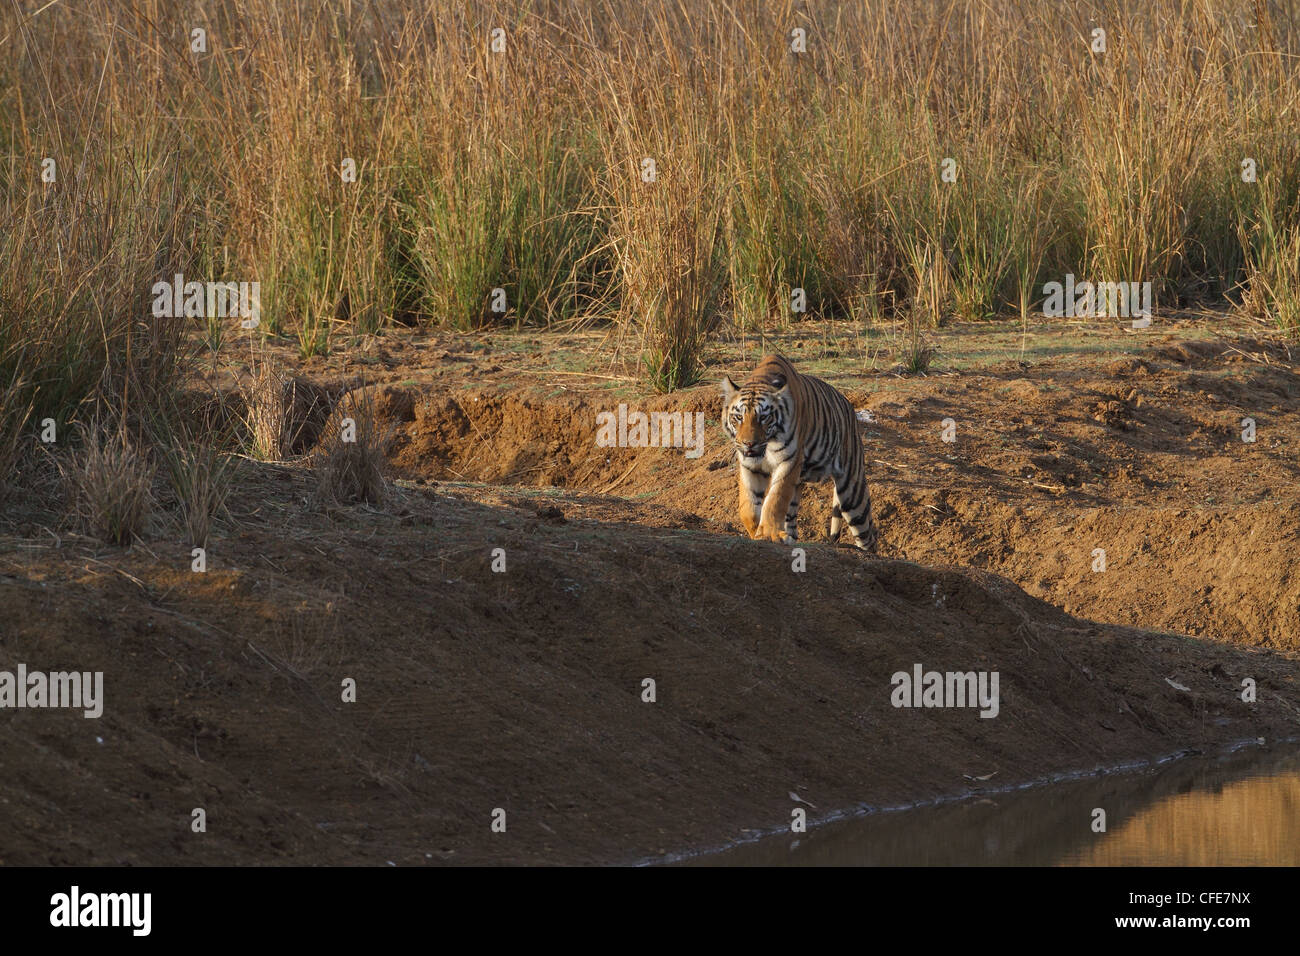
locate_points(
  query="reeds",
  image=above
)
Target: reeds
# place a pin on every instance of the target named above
(499, 177)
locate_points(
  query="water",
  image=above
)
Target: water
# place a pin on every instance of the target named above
(1236, 809)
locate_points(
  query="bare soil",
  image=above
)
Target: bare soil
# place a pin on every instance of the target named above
(522, 690)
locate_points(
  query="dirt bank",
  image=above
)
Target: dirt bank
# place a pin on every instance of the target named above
(522, 690)
(1140, 459)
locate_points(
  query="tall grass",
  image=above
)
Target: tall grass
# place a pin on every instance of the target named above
(1272, 245)
(78, 259)
(519, 170)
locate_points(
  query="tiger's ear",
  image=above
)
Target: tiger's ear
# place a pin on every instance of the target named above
(729, 388)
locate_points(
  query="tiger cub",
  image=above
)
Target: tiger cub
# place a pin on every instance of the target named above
(789, 428)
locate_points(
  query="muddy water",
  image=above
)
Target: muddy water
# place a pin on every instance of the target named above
(1239, 808)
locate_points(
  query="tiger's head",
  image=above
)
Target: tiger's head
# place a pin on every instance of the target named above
(755, 414)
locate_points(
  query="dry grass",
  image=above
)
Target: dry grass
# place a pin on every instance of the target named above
(282, 414)
(519, 170)
(1273, 269)
(110, 483)
(667, 237)
(200, 475)
(350, 460)
(267, 407)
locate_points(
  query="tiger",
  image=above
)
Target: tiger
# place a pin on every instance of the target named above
(788, 428)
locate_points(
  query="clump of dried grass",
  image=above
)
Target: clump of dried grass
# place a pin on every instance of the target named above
(282, 414)
(266, 416)
(349, 461)
(111, 485)
(200, 474)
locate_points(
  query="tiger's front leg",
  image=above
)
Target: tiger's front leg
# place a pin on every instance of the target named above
(780, 491)
(792, 516)
(753, 486)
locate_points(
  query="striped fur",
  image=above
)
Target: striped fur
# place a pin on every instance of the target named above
(790, 428)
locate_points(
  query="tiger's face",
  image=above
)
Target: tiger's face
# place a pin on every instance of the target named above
(752, 418)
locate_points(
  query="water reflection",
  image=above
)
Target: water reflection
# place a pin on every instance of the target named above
(1235, 809)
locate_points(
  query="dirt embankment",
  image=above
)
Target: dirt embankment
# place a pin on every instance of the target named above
(1123, 493)
(522, 689)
